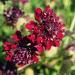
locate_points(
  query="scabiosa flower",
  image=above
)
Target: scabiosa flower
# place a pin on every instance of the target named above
(12, 14)
(48, 30)
(21, 50)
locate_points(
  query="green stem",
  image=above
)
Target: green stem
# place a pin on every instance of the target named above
(71, 30)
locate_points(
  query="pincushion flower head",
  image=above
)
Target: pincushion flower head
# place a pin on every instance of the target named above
(20, 50)
(12, 14)
(48, 29)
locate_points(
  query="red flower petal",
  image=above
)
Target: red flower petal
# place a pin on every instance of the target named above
(9, 56)
(35, 59)
(15, 38)
(40, 39)
(7, 45)
(48, 9)
(36, 29)
(6, 48)
(30, 25)
(48, 44)
(10, 53)
(56, 43)
(39, 48)
(13, 46)
(60, 35)
(38, 13)
(32, 37)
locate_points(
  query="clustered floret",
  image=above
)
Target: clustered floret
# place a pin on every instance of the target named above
(12, 14)
(21, 50)
(47, 30)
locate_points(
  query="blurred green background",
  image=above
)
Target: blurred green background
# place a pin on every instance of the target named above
(57, 61)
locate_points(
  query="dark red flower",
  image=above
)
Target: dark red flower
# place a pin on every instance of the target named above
(20, 52)
(48, 29)
(50, 25)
